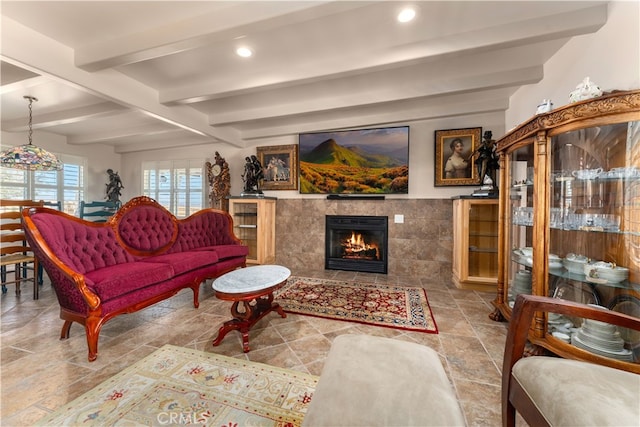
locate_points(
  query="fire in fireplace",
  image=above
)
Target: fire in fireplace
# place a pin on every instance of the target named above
(356, 243)
(356, 247)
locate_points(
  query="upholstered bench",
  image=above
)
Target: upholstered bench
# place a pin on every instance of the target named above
(375, 381)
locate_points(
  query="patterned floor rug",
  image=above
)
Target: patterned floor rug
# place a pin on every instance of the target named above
(179, 386)
(389, 305)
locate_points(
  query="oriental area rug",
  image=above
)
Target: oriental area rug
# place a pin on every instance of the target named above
(394, 306)
(180, 386)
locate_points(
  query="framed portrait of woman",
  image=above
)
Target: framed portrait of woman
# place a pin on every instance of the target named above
(453, 157)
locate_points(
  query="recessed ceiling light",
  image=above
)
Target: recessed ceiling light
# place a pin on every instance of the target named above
(245, 52)
(406, 15)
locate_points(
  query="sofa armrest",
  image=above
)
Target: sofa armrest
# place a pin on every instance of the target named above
(521, 320)
(49, 259)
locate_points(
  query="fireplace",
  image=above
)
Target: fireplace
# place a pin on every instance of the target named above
(356, 243)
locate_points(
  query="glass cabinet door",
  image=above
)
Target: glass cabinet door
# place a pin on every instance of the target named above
(520, 231)
(594, 233)
(483, 240)
(245, 225)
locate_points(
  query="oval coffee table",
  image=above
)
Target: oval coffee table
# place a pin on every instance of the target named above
(246, 285)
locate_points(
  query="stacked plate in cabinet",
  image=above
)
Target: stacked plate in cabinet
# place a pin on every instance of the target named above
(525, 256)
(521, 285)
(574, 263)
(602, 339)
(555, 262)
(560, 327)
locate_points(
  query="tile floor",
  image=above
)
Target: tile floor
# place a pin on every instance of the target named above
(39, 372)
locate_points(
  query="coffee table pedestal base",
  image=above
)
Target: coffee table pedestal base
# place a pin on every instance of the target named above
(243, 321)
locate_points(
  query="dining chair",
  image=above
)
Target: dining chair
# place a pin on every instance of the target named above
(53, 204)
(562, 390)
(14, 249)
(98, 211)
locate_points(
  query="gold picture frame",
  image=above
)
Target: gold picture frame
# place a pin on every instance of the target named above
(280, 167)
(453, 157)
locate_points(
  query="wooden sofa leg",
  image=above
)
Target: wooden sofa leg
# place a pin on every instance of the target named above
(92, 329)
(64, 334)
(196, 293)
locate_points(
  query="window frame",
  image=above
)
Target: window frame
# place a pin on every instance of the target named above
(178, 185)
(34, 185)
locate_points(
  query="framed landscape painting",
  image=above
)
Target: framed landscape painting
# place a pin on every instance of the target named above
(455, 149)
(280, 167)
(368, 161)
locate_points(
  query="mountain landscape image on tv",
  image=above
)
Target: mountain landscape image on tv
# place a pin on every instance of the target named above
(362, 161)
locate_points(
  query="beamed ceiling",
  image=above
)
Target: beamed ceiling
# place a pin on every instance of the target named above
(157, 74)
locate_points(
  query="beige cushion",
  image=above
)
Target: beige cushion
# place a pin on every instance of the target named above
(574, 393)
(375, 381)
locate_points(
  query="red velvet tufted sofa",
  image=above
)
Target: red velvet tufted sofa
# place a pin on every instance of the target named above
(143, 254)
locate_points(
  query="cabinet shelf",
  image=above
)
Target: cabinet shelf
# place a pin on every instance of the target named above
(483, 250)
(565, 274)
(587, 230)
(520, 187)
(483, 235)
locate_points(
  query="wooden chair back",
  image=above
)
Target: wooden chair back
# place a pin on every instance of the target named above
(14, 249)
(516, 399)
(98, 211)
(56, 204)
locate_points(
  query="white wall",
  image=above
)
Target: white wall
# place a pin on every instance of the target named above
(421, 158)
(610, 58)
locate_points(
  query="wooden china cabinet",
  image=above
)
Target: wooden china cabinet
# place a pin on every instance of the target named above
(475, 243)
(569, 223)
(254, 222)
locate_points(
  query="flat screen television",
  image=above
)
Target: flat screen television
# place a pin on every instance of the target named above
(362, 161)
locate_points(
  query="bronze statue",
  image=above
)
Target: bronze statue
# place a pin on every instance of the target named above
(487, 161)
(114, 186)
(252, 176)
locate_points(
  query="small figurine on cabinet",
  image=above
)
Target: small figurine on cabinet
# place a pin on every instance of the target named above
(219, 181)
(486, 163)
(114, 186)
(252, 176)
(585, 90)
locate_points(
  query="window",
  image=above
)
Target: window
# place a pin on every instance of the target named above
(66, 185)
(176, 185)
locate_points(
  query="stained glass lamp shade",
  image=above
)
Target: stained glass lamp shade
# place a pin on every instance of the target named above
(29, 156)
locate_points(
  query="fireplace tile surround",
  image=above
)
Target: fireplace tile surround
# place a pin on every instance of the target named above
(419, 247)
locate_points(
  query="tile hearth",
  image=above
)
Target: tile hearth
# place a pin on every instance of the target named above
(39, 372)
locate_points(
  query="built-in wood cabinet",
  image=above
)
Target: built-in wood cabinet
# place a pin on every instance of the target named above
(254, 222)
(570, 223)
(475, 243)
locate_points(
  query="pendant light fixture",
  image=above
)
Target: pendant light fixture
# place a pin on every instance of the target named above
(29, 156)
